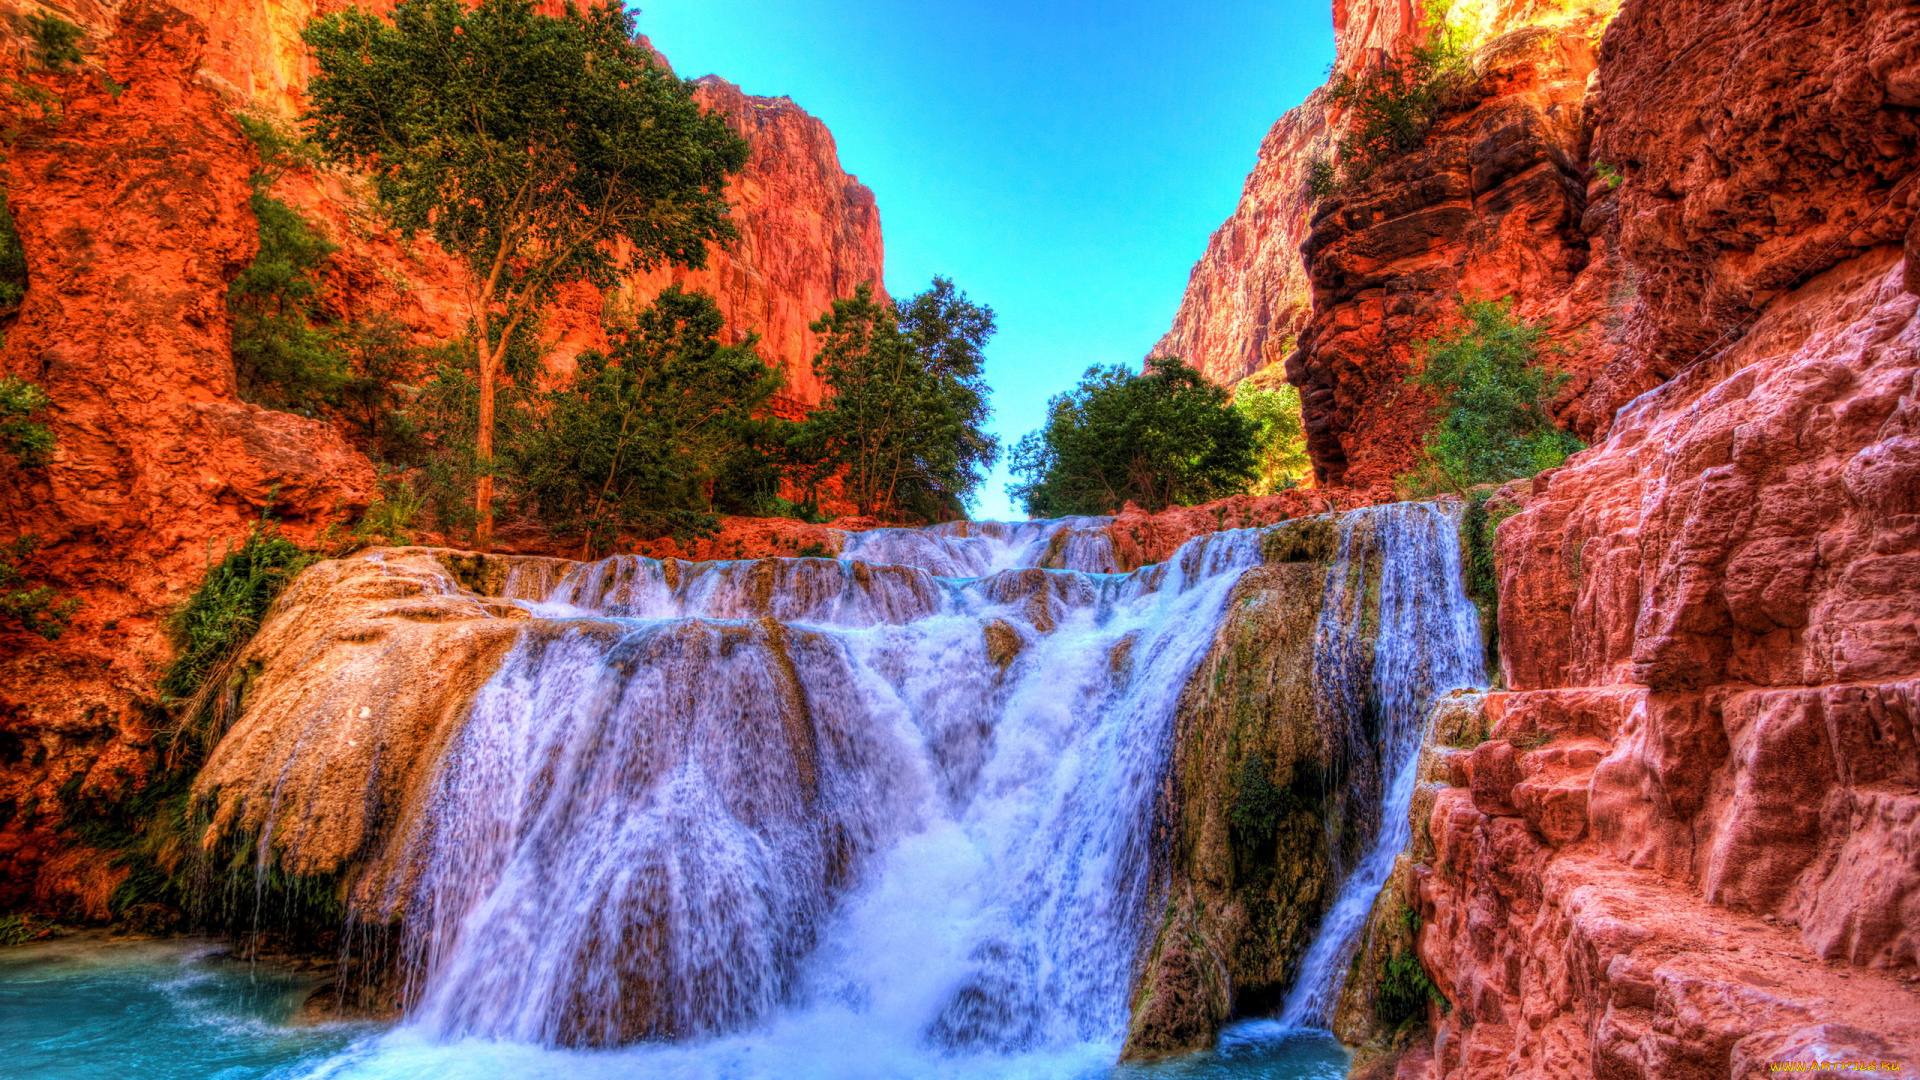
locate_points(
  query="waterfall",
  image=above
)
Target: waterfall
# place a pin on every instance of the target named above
(1425, 643)
(891, 813)
(916, 780)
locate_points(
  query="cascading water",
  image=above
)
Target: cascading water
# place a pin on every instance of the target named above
(708, 795)
(890, 814)
(1426, 642)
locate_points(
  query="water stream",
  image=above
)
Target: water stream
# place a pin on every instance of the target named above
(886, 815)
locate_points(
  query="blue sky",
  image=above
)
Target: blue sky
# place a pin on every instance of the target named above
(1063, 162)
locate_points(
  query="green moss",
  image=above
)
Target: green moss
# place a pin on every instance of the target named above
(1404, 989)
(1312, 539)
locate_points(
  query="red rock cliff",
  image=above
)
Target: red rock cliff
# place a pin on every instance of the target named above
(1689, 848)
(133, 212)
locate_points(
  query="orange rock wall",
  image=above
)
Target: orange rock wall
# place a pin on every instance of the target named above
(133, 212)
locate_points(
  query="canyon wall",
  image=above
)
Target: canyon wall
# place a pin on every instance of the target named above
(1687, 848)
(128, 180)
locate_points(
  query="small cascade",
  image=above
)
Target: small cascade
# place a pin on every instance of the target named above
(975, 548)
(699, 795)
(1420, 640)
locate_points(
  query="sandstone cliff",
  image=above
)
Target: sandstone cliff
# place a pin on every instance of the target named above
(1687, 848)
(129, 187)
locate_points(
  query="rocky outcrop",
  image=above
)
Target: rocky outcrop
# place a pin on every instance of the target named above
(1687, 848)
(1709, 635)
(132, 209)
(1248, 297)
(129, 187)
(1249, 868)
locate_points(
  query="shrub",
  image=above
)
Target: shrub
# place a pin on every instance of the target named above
(20, 928)
(56, 42)
(37, 609)
(1162, 437)
(1395, 103)
(1323, 178)
(220, 617)
(13, 261)
(1280, 440)
(28, 442)
(1493, 422)
(281, 360)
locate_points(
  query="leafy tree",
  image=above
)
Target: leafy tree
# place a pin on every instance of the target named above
(636, 439)
(902, 428)
(1493, 422)
(29, 443)
(1162, 437)
(380, 362)
(530, 146)
(1279, 440)
(281, 360)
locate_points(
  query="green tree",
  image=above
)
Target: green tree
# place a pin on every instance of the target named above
(903, 427)
(281, 360)
(1279, 440)
(1492, 417)
(532, 147)
(636, 439)
(1162, 437)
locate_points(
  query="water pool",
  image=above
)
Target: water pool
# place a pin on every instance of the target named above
(88, 1008)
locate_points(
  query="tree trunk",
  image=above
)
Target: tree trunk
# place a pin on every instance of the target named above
(483, 445)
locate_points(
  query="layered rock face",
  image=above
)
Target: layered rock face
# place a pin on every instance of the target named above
(1689, 847)
(133, 211)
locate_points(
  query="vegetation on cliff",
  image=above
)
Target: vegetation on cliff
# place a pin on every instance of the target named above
(1158, 438)
(25, 602)
(529, 146)
(1492, 418)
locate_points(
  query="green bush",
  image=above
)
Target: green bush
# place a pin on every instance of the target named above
(37, 609)
(20, 928)
(28, 442)
(633, 442)
(220, 618)
(1323, 178)
(1492, 418)
(13, 261)
(281, 359)
(1159, 438)
(1280, 439)
(56, 42)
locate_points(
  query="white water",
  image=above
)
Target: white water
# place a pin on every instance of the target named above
(799, 802)
(1427, 643)
(792, 818)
